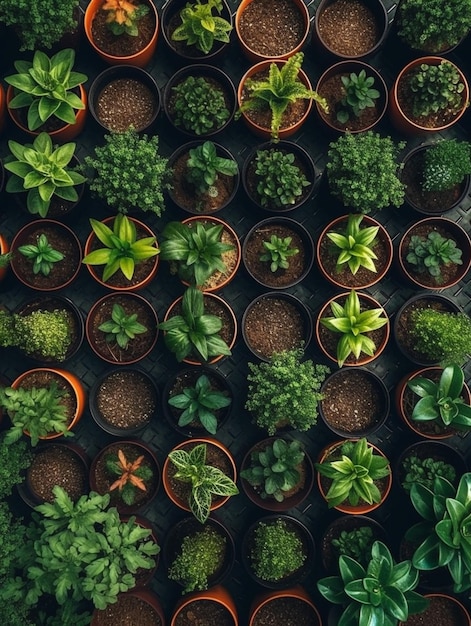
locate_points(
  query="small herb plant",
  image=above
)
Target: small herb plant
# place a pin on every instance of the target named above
(199, 404)
(196, 248)
(359, 95)
(274, 470)
(277, 551)
(45, 86)
(424, 471)
(280, 181)
(276, 92)
(355, 543)
(278, 251)
(436, 88)
(121, 328)
(132, 475)
(204, 167)
(352, 324)
(430, 254)
(382, 592)
(356, 245)
(42, 255)
(122, 249)
(199, 557)
(286, 390)
(123, 16)
(205, 480)
(42, 172)
(363, 171)
(442, 336)
(194, 331)
(128, 172)
(199, 106)
(353, 475)
(15, 457)
(200, 27)
(446, 164)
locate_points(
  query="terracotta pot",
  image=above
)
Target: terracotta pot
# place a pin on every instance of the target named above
(398, 117)
(217, 594)
(349, 281)
(108, 616)
(136, 283)
(141, 58)
(440, 605)
(262, 601)
(4, 249)
(3, 107)
(361, 509)
(252, 55)
(62, 135)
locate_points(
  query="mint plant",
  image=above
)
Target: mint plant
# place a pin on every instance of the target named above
(278, 251)
(42, 255)
(430, 254)
(280, 181)
(121, 328)
(359, 95)
(198, 106)
(201, 27)
(204, 166)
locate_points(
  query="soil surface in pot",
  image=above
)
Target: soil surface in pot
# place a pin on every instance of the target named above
(271, 28)
(435, 202)
(441, 612)
(274, 325)
(204, 612)
(57, 465)
(349, 27)
(127, 610)
(122, 45)
(126, 400)
(43, 378)
(261, 269)
(286, 612)
(353, 401)
(125, 102)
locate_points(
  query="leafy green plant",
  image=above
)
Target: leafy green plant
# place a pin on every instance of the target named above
(274, 470)
(199, 403)
(441, 336)
(356, 245)
(277, 550)
(359, 95)
(363, 171)
(205, 480)
(280, 181)
(15, 457)
(5, 259)
(380, 593)
(278, 251)
(194, 331)
(45, 85)
(355, 543)
(121, 328)
(354, 473)
(198, 105)
(436, 88)
(424, 471)
(39, 410)
(42, 172)
(132, 475)
(446, 163)
(122, 249)
(204, 166)
(430, 254)
(197, 249)
(353, 324)
(278, 90)
(128, 172)
(199, 557)
(123, 16)
(200, 27)
(286, 390)
(43, 255)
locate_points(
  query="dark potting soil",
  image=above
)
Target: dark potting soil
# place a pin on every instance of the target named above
(122, 45)
(56, 465)
(204, 613)
(127, 611)
(125, 102)
(286, 612)
(349, 27)
(441, 612)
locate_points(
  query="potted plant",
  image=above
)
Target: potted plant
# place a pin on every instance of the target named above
(129, 253)
(215, 603)
(363, 172)
(350, 255)
(15, 458)
(301, 380)
(204, 251)
(344, 485)
(199, 476)
(277, 606)
(44, 93)
(147, 173)
(358, 319)
(267, 93)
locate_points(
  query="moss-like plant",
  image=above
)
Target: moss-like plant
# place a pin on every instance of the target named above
(442, 336)
(15, 457)
(446, 164)
(277, 550)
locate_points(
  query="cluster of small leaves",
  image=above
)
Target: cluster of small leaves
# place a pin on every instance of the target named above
(199, 106)
(5, 259)
(204, 166)
(285, 391)
(278, 251)
(425, 470)
(132, 475)
(355, 543)
(42, 255)
(436, 88)
(356, 245)
(123, 16)
(277, 551)
(442, 336)
(446, 164)
(199, 557)
(359, 95)
(200, 27)
(15, 457)
(363, 171)
(121, 328)
(44, 333)
(128, 172)
(430, 254)
(280, 182)
(12, 536)
(8, 336)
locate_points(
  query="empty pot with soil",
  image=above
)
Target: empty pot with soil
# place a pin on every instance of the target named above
(280, 607)
(213, 607)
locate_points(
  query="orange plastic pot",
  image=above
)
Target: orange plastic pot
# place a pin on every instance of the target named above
(297, 593)
(141, 58)
(4, 248)
(217, 594)
(101, 617)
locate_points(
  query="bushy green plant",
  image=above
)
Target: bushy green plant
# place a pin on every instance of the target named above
(280, 182)
(198, 105)
(442, 336)
(8, 335)
(431, 253)
(363, 171)
(355, 543)
(446, 163)
(12, 536)
(42, 23)
(278, 90)
(45, 86)
(356, 245)
(275, 468)
(200, 27)
(123, 16)
(42, 255)
(277, 550)
(128, 172)
(359, 95)
(132, 475)
(286, 390)
(380, 593)
(121, 328)
(199, 557)
(278, 251)
(42, 172)
(15, 457)
(436, 88)
(424, 471)
(204, 166)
